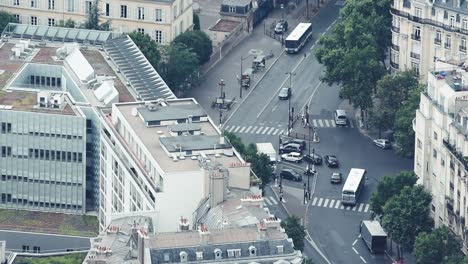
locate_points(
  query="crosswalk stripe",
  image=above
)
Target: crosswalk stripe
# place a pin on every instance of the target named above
(367, 208)
(320, 122)
(337, 204)
(248, 129)
(351, 123)
(265, 130)
(342, 207)
(314, 201)
(332, 123)
(232, 128)
(281, 132)
(258, 130)
(276, 131)
(237, 129)
(267, 200)
(271, 130)
(360, 207)
(242, 130)
(354, 208)
(326, 122)
(325, 203)
(273, 200)
(226, 128)
(320, 202)
(348, 208)
(314, 122)
(332, 202)
(264, 204)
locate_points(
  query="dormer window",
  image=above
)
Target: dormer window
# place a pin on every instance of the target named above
(234, 253)
(183, 256)
(253, 251)
(218, 254)
(199, 255)
(279, 249)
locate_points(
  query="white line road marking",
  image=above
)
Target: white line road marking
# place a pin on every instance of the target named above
(332, 202)
(281, 132)
(265, 130)
(271, 130)
(267, 200)
(360, 207)
(342, 207)
(363, 260)
(367, 208)
(226, 128)
(355, 241)
(337, 204)
(276, 131)
(348, 208)
(231, 128)
(248, 129)
(284, 201)
(354, 208)
(264, 204)
(242, 130)
(274, 108)
(314, 122)
(359, 236)
(320, 123)
(258, 130)
(273, 200)
(355, 251)
(325, 203)
(326, 123)
(314, 201)
(332, 123)
(320, 202)
(237, 129)
(313, 46)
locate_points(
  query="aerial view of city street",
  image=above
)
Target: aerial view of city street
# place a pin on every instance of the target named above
(234, 131)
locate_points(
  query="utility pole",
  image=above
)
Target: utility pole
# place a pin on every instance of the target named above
(305, 194)
(290, 110)
(221, 84)
(240, 80)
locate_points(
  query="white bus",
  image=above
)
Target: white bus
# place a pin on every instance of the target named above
(298, 37)
(353, 186)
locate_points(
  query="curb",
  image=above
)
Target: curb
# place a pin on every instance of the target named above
(282, 204)
(357, 116)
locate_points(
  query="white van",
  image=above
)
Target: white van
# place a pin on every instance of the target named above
(340, 118)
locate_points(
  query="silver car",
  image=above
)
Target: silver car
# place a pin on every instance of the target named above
(383, 143)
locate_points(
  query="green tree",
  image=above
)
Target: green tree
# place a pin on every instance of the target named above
(407, 214)
(148, 47)
(308, 261)
(404, 133)
(69, 23)
(379, 118)
(388, 187)
(92, 18)
(196, 22)
(295, 231)
(456, 260)
(6, 18)
(199, 42)
(437, 247)
(181, 68)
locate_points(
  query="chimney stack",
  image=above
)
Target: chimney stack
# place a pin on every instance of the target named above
(261, 228)
(204, 234)
(183, 224)
(252, 200)
(272, 222)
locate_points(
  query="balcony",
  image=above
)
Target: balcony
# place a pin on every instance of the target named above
(449, 204)
(415, 55)
(458, 154)
(416, 37)
(462, 48)
(447, 45)
(395, 29)
(395, 47)
(394, 65)
(437, 41)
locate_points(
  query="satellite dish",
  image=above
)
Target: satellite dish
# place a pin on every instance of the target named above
(134, 112)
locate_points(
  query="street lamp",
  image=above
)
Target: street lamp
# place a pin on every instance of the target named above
(221, 84)
(290, 111)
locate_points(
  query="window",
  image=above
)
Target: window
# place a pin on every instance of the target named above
(17, 18)
(141, 30)
(51, 5)
(415, 66)
(232, 9)
(279, 249)
(183, 256)
(432, 208)
(25, 248)
(442, 162)
(158, 36)
(448, 41)
(218, 254)
(175, 11)
(452, 21)
(252, 251)
(418, 12)
(435, 135)
(234, 253)
(36, 249)
(463, 44)
(71, 5)
(199, 255)
(464, 24)
(88, 6)
(123, 11)
(107, 11)
(34, 20)
(141, 13)
(416, 33)
(158, 15)
(166, 257)
(438, 37)
(51, 22)
(434, 153)
(6, 128)
(16, 2)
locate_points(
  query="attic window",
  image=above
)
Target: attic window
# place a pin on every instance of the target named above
(253, 251)
(218, 254)
(234, 253)
(279, 249)
(166, 257)
(232, 9)
(183, 256)
(199, 255)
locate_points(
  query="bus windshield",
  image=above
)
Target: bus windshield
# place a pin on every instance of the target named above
(290, 44)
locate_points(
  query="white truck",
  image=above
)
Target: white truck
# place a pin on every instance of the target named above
(267, 149)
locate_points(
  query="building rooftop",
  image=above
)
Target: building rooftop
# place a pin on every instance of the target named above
(452, 5)
(224, 25)
(171, 112)
(193, 143)
(236, 2)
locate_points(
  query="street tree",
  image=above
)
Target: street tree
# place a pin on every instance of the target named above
(437, 246)
(6, 18)
(92, 18)
(181, 68)
(196, 22)
(148, 47)
(379, 118)
(388, 187)
(199, 42)
(407, 214)
(456, 260)
(69, 23)
(295, 231)
(404, 133)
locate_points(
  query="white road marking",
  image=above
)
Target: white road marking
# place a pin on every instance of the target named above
(325, 203)
(242, 130)
(320, 123)
(271, 130)
(314, 201)
(264, 204)
(348, 208)
(354, 208)
(237, 129)
(268, 201)
(226, 128)
(342, 207)
(313, 46)
(231, 128)
(276, 132)
(258, 130)
(355, 241)
(274, 108)
(367, 208)
(360, 207)
(320, 202)
(363, 260)
(314, 122)
(284, 201)
(248, 129)
(265, 130)
(355, 251)
(337, 204)
(281, 132)
(332, 202)
(273, 200)
(332, 123)
(326, 123)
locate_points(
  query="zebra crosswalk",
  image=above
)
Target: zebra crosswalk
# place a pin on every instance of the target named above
(336, 204)
(270, 201)
(273, 131)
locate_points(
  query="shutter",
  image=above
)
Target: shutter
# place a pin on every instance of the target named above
(163, 37)
(154, 15)
(163, 15)
(38, 21)
(103, 10)
(146, 12)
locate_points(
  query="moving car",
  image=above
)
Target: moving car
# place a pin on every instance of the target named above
(284, 93)
(331, 161)
(290, 174)
(313, 158)
(336, 177)
(340, 118)
(291, 147)
(374, 236)
(281, 27)
(383, 143)
(300, 142)
(292, 157)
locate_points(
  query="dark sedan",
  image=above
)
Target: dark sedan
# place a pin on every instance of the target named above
(331, 161)
(313, 158)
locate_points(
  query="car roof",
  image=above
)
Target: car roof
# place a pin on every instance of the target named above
(284, 88)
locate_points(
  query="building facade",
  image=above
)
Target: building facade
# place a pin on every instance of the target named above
(441, 149)
(424, 31)
(163, 20)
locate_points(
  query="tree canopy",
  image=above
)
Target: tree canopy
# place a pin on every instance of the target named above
(199, 42)
(148, 47)
(388, 187)
(6, 18)
(181, 68)
(295, 231)
(92, 18)
(69, 23)
(407, 214)
(438, 246)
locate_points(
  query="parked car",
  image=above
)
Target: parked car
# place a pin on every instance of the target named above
(336, 177)
(313, 158)
(291, 147)
(383, 143)
(281, 27)
(284, 93)
(290, 174)
(331, 161)
(300, 142)
(292, 157)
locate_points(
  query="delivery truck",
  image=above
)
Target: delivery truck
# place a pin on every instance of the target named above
(374, 236)
(267, 149)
